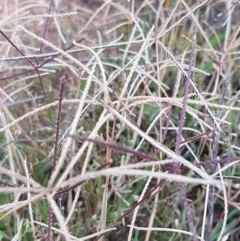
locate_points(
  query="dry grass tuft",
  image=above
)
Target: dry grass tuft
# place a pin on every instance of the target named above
(119, 120)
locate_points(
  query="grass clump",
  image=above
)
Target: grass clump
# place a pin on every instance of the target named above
(119, 120)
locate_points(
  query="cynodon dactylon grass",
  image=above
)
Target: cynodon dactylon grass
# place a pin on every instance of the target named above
(119, 120)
